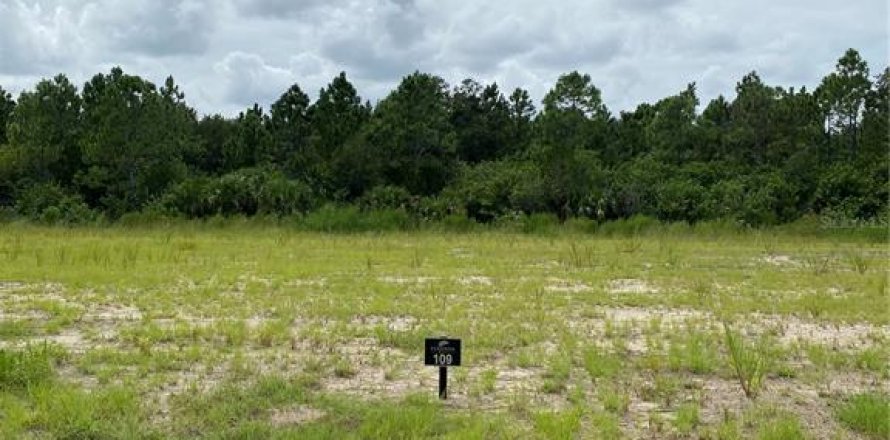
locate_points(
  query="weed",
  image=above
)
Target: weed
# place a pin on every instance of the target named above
(555, 425)
(695, 353)
(31, 366)
(607, 425)
(557, 375)
(785, 427)
(748, 363)
(580, 258)
(687, 418)
(818, 264)
(344, 369)
(600, 364)
(614, 401)
(867, 413)
(858, 261)
(487, 381)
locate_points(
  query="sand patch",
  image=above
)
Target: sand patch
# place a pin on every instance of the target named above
(630, 285)
(779, 260)
(295, 415)
(477, 280)
(307, 282)
(566, 286)
(393, 323)
(112, 312)
(790, 330)
(11, 286)
(644, 315)
(406, 280)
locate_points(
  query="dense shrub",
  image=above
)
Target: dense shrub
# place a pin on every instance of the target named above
(332, 218)
(851, 192)
(680, 199)
(385, 197)
(49, 203)
(769, 200)
(491, 189)
(244, 192)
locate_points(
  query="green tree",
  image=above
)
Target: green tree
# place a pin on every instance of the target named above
(7, 105)
(336, 118)
(215, 133)
(251, 144)
(750, 114)
(44, 130)
(842, 96)
(288, 125)
(875, 141)
(629, 137)
(133, 140)
(522, 114)
(573, 129)
(481, 120)
(715, 122)
(412, 137)
(672, 132)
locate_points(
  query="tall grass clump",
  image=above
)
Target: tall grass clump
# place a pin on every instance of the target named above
(748, 363)
(22, 369)
(867, 413)
(629, 227)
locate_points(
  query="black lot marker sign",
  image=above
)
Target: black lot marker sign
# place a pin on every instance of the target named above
(442, 353)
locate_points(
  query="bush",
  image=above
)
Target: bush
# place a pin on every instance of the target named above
(245, 192)
(680, 200)
(385, 197)
(630, 226)
(281, 196)
(724, 199)
(349, 219)
(491, 189)
(769, 201)
(49, 203)
(851, 192)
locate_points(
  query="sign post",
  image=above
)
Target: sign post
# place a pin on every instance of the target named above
(443, 353)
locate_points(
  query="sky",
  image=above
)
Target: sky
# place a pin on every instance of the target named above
(228, 54)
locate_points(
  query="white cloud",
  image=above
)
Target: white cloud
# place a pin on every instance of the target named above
(228, 54)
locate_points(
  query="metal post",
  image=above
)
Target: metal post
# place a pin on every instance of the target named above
(443, 383)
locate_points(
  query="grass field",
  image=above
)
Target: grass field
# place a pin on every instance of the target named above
(266, 332)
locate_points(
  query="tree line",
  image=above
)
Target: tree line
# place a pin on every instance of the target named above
(121, 144)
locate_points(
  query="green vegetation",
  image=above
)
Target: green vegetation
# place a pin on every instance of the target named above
(867, 413)
(749, 364)
(235, 328)
(124, 149)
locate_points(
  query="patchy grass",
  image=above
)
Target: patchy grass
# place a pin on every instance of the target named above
(228, 330)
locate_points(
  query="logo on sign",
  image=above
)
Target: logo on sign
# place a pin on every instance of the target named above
(442, 352)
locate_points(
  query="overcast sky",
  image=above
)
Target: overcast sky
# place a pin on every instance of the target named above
(227, 54)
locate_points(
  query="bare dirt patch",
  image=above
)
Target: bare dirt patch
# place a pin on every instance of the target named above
(295, 415)
(779, 260)
(11, 286)
(566, 286)
(303, 282)
(474, 280)
(407, 280)
(393, 323)
(112, 312)
(791, 330)
(630, 285)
